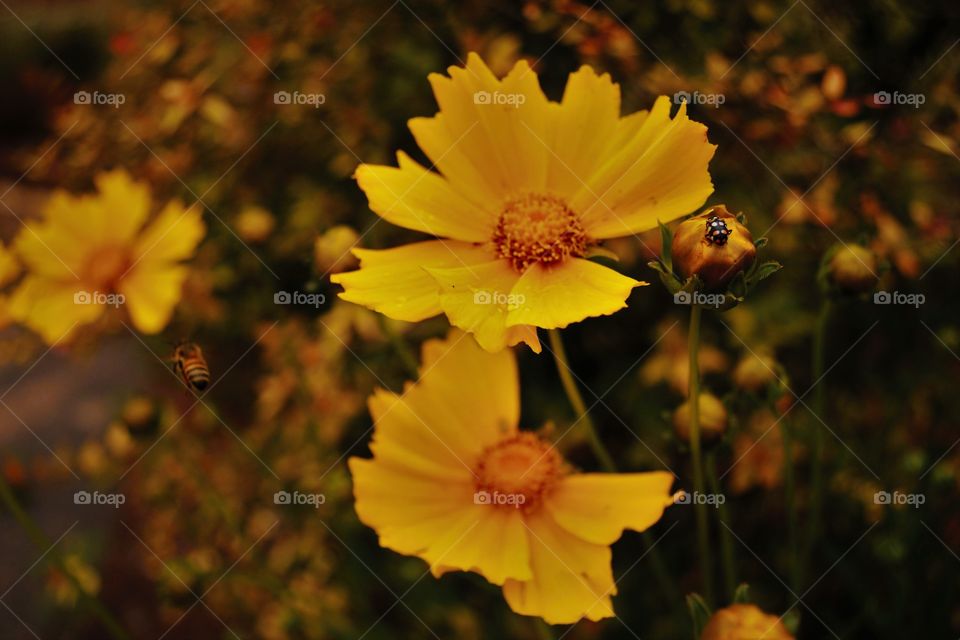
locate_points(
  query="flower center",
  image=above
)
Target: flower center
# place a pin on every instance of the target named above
(538, 228)
(105, 267)
(518, 472)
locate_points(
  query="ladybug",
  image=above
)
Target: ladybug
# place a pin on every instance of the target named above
(717, 231)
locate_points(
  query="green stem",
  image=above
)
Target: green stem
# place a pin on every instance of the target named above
(700, 508)
(790, 490)
(544, 631)
(576, 400)
(726, 539)
(44, 544)
(407, 357)
(667, 585)
(816, 491)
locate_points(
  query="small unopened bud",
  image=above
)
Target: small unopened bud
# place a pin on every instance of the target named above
(713, 246)
(853, 268)
(141, 416)
(331, 251)
(744, 622)
(754, 372)
(713, 419)
(255, 224)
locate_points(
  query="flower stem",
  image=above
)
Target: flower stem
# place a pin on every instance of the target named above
(41, 541)
(576, 400)
(790, 490)
(703, 531)
(816, 489)
(544, 631)
(726, 539)
(667, 585)
(407, 356)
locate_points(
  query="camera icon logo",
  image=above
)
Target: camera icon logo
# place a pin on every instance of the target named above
(282, 497)
(684, 498)
(82, 497)
(482, 297)
(882, 297)
(682, 297)
(882, 97)
(881, 497)
(82, 297)
(482, 97)
(82, 97)
(681, 96)
(481, 497)
(282, 297)
(282, 97)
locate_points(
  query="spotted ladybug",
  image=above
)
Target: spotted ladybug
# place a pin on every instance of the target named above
(717, 231)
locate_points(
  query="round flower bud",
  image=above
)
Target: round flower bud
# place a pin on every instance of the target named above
(744, 622)
(713, 419)
(141, 416)
(755, 372)
(331, 251)
(255, 224)
(853, 268)
(713, 246)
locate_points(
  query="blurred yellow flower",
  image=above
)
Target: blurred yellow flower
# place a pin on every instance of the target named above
(93, 252)
(526, 189)
(744, 622)
(453, 481)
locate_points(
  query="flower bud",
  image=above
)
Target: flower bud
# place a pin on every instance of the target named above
(713, 246)
(853, 268)
(713, 419)
(255, 224)
(331, 251)
(754, 372)
(744, 622)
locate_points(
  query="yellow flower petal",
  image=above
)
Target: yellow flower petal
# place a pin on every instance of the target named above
(572, 578)
(469, 548)
(123, 206)
(395, 282)
(578, 149)
(173, 235)
(49, 307)
(553, 297)
(9, 267)
(476, 299)
(59, 246)
(151, 295)
(597, 507)
(418, 199)
(490, 137)
(659, 174)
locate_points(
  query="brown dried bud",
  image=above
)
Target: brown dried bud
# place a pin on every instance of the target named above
(713, 246)
(713, 419)
(853, 268)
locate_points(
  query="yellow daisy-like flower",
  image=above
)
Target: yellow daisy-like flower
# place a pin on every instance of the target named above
(455, 482)
(744, 622)
(526, 188)
(92, 252)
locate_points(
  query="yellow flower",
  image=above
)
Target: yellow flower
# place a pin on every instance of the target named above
(453, 481)
(744, 622)
(91, 253)
(525, 189)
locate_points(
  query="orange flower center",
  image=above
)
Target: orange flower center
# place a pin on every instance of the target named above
(105, 267)
(538, 228)
(518, 472)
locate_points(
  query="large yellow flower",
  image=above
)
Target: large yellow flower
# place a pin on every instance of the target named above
(526, 189)
(92, 252)
(453, 481)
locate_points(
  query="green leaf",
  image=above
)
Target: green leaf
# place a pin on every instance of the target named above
(699, 612)
(742, 594)
(764, 271)
(666, 246)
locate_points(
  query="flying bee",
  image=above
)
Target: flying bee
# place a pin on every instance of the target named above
(189, 363)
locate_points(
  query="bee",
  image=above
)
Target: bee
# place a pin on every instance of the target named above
(717, 231)
(189, 363)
